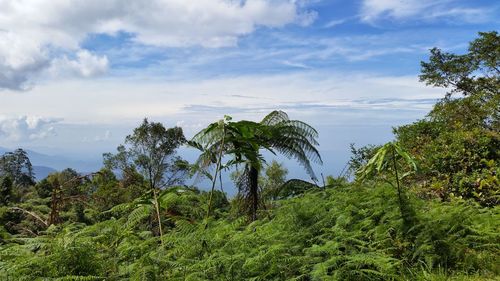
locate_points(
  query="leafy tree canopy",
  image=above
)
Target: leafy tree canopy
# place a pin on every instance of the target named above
(474, 75)
(18, 166)
(151, 150)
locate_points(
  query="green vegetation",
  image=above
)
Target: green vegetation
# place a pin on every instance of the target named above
(422, 207)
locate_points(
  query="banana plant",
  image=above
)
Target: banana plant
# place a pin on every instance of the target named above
(388, 158)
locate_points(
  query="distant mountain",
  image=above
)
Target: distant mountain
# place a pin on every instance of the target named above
(42, 172)
(44, 164)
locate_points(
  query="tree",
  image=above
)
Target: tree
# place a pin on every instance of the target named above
(275, 177)
(243, 140)
(475, 76)
(108, 191)
(65, 188)
(18, 166)
(151, 150)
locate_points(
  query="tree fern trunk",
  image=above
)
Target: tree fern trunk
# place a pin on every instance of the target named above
(254, 191)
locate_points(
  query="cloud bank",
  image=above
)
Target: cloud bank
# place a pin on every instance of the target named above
(26, 128)
(251, 95)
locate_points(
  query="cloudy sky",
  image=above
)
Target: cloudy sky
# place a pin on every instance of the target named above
(77, 75)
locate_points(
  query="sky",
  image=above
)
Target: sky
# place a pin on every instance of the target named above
(76, 76)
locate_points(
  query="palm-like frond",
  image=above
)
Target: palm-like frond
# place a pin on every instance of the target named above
(210, 133)
(383, 159)
(137, 215)
(275, 117)
(294, 139)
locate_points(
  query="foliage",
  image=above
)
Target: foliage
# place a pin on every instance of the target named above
(474, 73)
(386, 159)
(454, 163)
(332, 181)
(295, 187)
(67, 192)
(456, 146)
(108, 191)
(360, 157)
(5, 190)
(151, 150)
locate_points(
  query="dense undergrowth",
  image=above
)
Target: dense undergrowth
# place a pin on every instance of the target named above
(344, 233)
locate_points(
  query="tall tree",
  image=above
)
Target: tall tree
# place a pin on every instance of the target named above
(243, 140)
(474, 76)
(18, 166)
(151, 150)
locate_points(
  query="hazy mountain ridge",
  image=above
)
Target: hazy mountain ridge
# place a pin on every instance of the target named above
(42, 172)
(44, 164)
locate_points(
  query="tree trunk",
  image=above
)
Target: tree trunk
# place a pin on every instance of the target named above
(157, 208)
(55, 201)
(254, 191)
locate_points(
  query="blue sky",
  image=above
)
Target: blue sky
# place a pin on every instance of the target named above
(77, 76)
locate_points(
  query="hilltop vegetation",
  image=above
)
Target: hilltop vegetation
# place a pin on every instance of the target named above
(422, 207)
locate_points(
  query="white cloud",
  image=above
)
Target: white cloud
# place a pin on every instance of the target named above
(334, 23)
(471, 15)
(295, 64)
(32, 31)
(104, 137)
(360, 47)
(306, 18)
(374, 10)
(26, 128)
(85, 64)
(20, 58)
